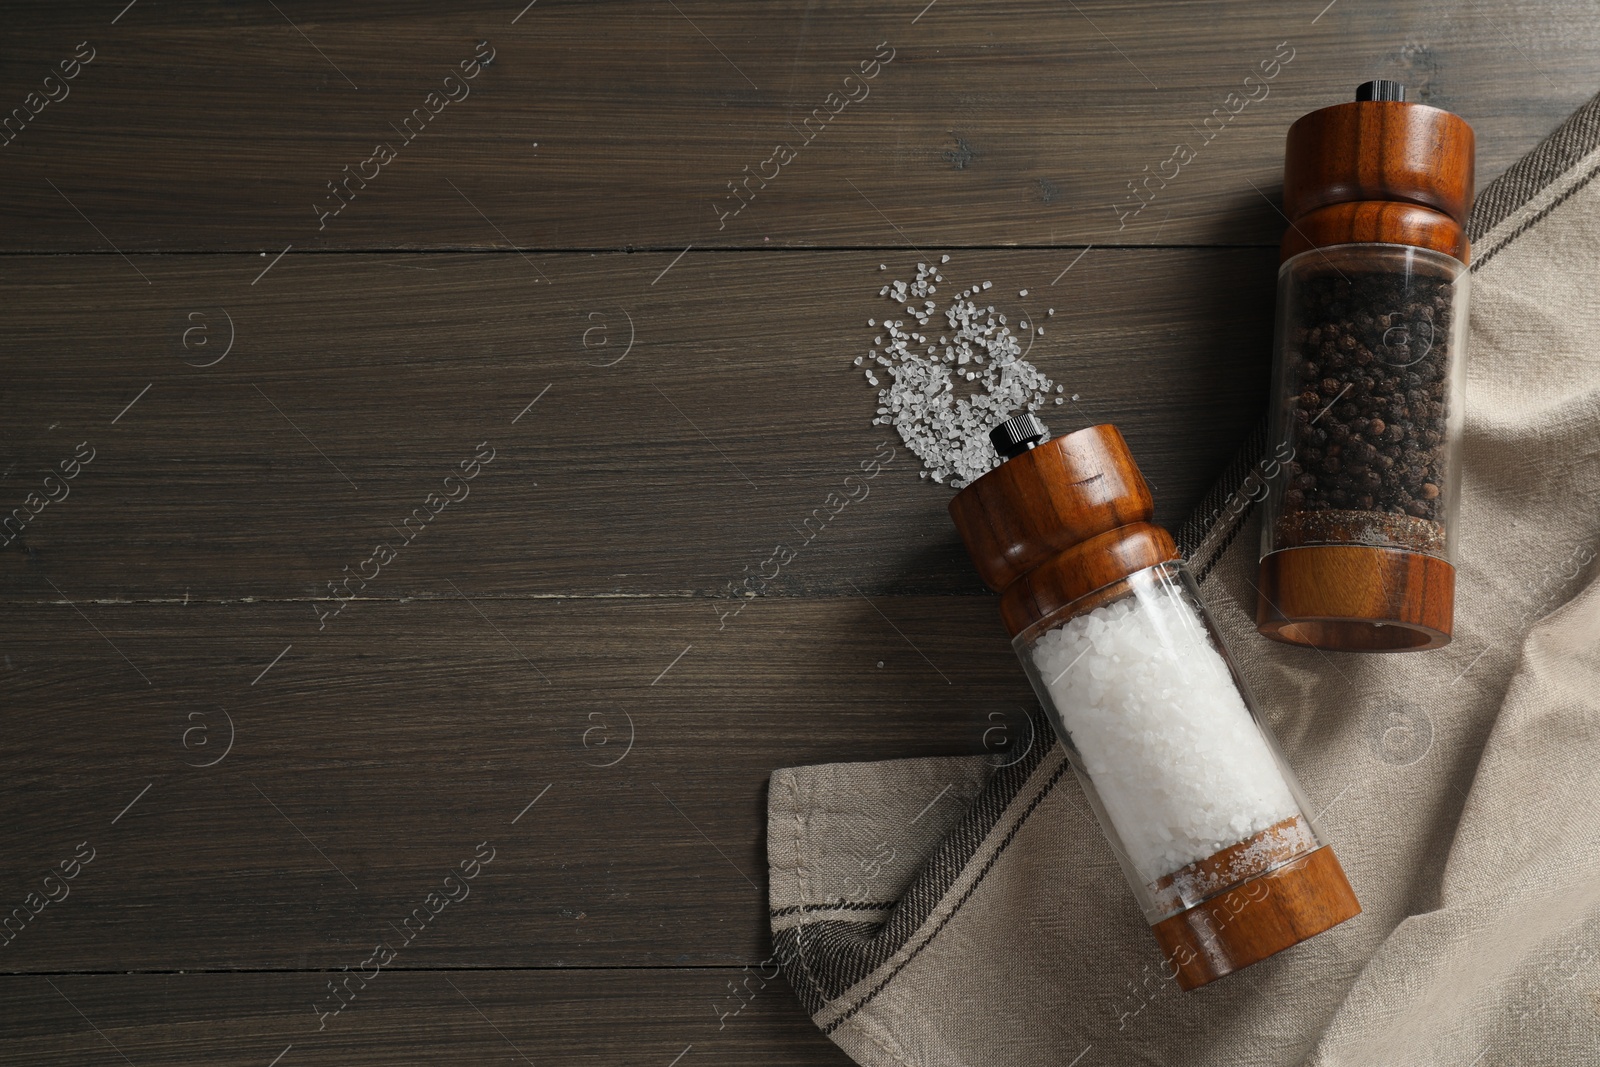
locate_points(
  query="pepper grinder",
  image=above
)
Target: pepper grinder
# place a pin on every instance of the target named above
(1199, 805)
(1359, 527)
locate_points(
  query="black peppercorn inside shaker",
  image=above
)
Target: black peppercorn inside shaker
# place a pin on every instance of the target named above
(1359, 527)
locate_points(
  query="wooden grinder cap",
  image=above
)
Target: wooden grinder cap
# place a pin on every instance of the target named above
(1378, 169)
(1058, 521)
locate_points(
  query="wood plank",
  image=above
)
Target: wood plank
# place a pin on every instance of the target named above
(356, 383)
(197, 128)
(371, 759)
(445, 1017)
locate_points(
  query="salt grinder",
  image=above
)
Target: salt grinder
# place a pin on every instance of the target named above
(1188, 784)
(1359, 527)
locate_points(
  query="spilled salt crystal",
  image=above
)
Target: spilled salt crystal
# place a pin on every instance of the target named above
(949, 432)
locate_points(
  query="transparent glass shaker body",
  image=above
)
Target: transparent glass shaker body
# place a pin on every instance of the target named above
(1187, 782)
(1367, 400)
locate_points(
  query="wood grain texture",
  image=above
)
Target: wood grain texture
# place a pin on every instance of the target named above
(643, 1017)
(1088, 574)
(1053, 496)
(1262, 917)
(1371, 221)
(1357, 598)
(371, 758)
(1379, 150)
(1057, 522)
(357, 383)
(620, 125)
(1378, 171)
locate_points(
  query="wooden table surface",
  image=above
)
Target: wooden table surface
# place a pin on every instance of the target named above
(240, 382)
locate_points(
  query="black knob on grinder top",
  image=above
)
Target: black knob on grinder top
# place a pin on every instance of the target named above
(1018, 434)
(1381, 89)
